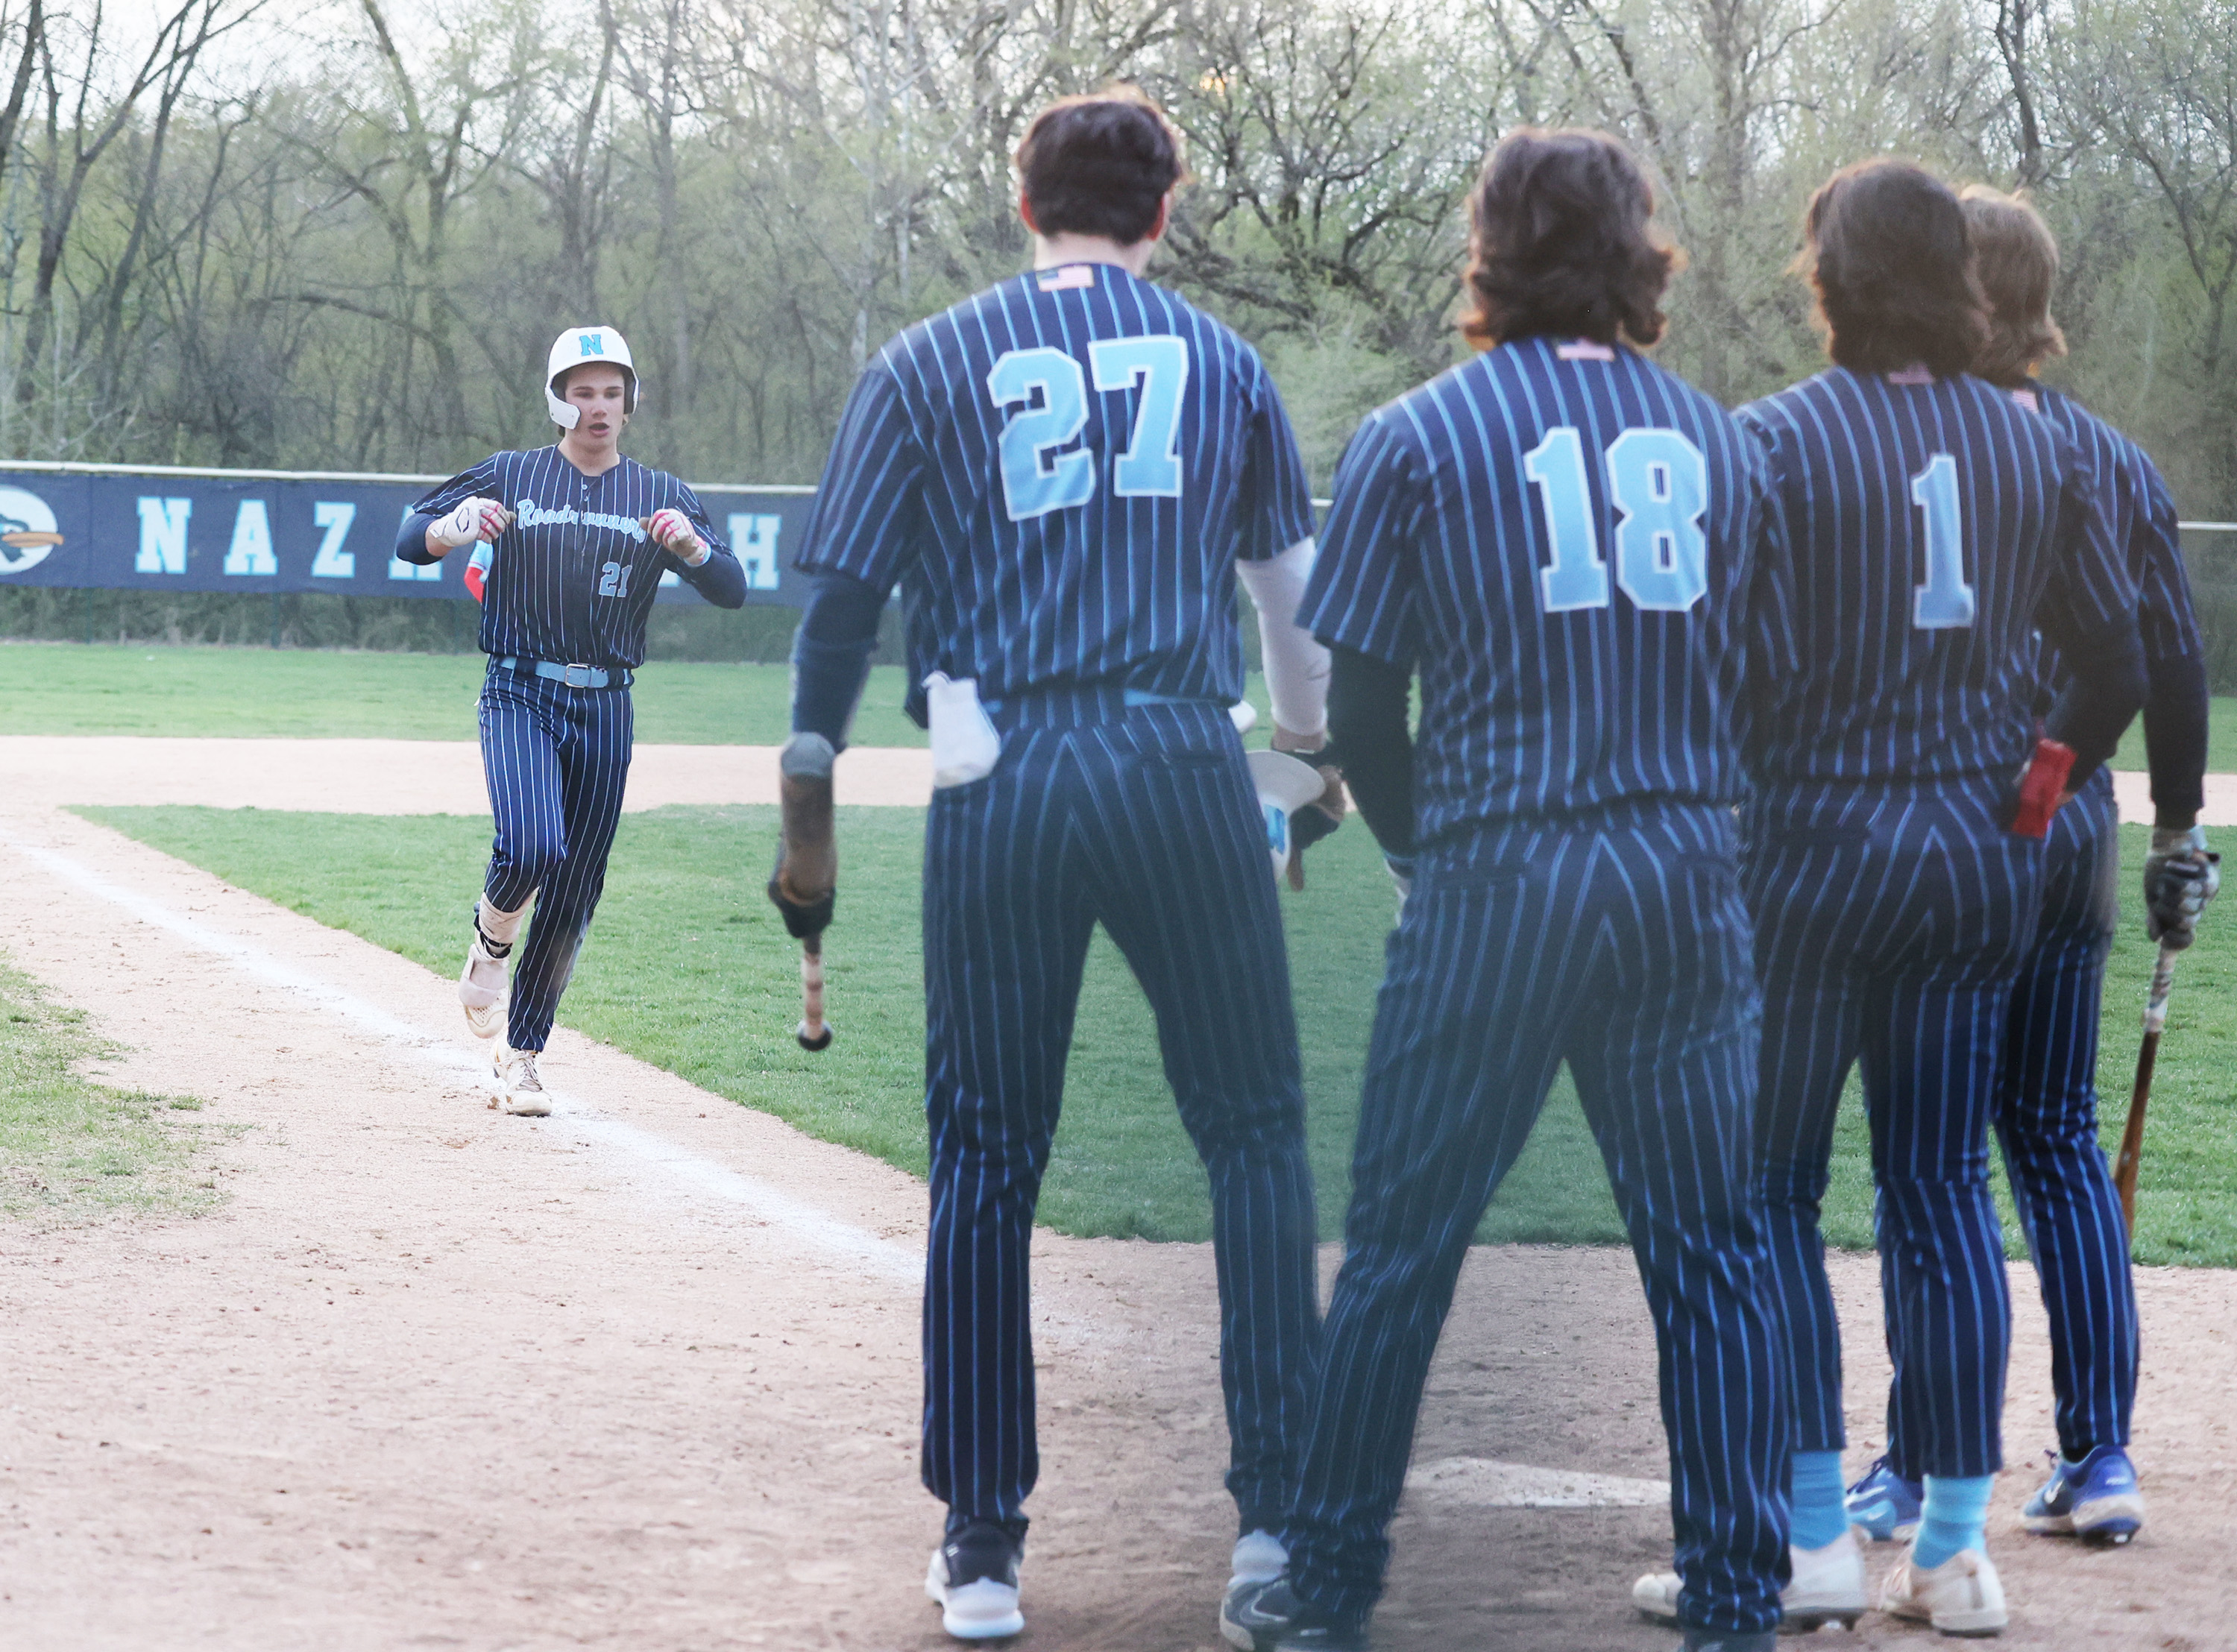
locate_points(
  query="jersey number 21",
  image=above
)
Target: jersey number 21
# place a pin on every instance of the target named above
(1036, 478)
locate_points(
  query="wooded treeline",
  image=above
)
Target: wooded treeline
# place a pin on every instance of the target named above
(341, 234)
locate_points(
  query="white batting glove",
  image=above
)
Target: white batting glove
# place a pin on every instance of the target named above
(671, 530)
(474, 519)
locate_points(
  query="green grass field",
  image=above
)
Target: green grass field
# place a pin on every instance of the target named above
(688, 969)
(103, 688)
(75, 1150)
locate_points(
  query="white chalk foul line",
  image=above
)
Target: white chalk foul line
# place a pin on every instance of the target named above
(1489, 1485)
(870, 1255)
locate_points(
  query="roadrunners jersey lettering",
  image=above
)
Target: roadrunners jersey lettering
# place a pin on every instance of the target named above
(1945, 524)
(573, 579)
(1562, 538)
(1062, 471)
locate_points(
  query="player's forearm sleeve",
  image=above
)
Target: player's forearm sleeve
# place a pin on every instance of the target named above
(412, 538)
(1367, 724)
(2174, 733)
(2106, 690)
(1296, 666)
(721, 579)
(831, 654)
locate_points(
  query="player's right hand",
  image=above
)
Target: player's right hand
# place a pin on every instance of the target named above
(475, 519)
(2181, 875)
(805, 915)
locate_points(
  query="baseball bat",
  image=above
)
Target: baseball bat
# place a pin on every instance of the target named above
(2147, 1055)
(814, 1032)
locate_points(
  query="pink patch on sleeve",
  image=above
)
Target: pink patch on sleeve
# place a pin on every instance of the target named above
(1584, 350)
(2026, 398)
(1914, 374)
(1066, 277)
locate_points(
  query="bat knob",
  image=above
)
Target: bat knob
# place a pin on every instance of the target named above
(819, 1039)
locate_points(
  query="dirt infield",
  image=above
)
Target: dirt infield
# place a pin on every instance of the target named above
(644, 1374)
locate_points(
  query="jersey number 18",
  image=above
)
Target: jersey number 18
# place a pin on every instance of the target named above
(1036, 477)
(1658, 484)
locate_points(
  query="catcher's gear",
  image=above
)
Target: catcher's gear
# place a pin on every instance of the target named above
(572, 349)
(2181, 875)
(804, 884)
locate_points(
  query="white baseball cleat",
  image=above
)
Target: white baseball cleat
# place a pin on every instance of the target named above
(514, 1085)
(982, 1604)
(1259, 1558)
(482, 990)
(1827, 1587)
(1962, 1596)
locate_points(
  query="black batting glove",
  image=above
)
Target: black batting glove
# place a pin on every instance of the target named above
(804, 919)
(2181, 875)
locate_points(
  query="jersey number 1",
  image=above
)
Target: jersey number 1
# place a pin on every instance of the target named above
(1658, 484)
(1944, 602)
(1036, 479)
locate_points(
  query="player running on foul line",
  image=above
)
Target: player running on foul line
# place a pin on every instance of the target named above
(579, 537)
(1066, 474)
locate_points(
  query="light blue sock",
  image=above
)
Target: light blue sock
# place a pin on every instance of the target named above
(1951, 1518)
(1820, 1517)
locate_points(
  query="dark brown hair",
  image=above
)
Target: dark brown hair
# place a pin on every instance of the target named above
(1889, 261)
(1560, 242)
(1100, 165)
(2017, 258)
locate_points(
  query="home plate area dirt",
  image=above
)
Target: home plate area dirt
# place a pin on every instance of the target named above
(644, 1374)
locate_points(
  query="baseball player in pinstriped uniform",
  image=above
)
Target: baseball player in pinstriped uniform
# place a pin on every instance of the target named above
(579, 538)
(2046, 1098)
(1566, 541)
(1066, 474)
(1935, 525)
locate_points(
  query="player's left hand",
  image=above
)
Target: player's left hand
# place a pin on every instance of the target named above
(673, 532)
(2181, 875)
(1325, 812)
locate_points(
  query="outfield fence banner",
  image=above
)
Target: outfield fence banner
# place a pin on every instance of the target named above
(116, 527)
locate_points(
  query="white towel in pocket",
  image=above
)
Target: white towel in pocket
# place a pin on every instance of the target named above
(964, 747)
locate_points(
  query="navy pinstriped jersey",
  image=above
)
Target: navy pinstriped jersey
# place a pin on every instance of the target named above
(1564, 539)
(1061, 472)
(2142, 517)
(1935, 525)
(573, 579)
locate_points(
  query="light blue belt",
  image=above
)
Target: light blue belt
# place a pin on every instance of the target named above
(574, 676)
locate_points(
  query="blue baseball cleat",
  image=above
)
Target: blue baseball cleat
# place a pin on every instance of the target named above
(1883, 1507)
(2097, 1498)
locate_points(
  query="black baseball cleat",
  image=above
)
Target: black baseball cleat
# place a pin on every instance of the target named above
(973, 1578)
(1268, 1617)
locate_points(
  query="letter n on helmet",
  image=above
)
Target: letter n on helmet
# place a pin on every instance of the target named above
(571, 349)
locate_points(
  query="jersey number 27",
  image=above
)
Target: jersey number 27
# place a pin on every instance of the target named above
(1036, 478)
(1658, 484)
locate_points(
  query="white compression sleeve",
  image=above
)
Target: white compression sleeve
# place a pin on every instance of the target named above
(1296, 666)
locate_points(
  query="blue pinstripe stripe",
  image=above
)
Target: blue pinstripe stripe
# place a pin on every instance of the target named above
(556, 761)
(1142, 819)
(1135, 590)
(542, 600)
(1619, 944)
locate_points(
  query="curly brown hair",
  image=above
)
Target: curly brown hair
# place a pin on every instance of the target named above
(2018, 262)
(1099, 164)
(1561, 242)
(1888, 258)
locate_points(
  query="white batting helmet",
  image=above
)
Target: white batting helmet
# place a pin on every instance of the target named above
(571, 349)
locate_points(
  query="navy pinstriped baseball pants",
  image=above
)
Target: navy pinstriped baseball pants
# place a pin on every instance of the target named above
(556, 759)
(1618, 942)
(2046, 1117)
(1892, 921)
(1143, 819)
